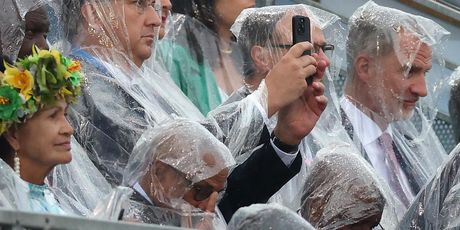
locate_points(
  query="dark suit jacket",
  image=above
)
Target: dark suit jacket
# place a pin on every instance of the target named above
(257, 179)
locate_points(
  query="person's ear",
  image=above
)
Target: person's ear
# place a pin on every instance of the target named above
(363, 67)
(259, 56)
(12, 137)
(88, 11)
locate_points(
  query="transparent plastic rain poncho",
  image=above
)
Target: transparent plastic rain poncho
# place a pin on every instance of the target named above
(437, 206)
(270, 27)
(341, 190)
(76, 189)
(454, 103)
(267, 216)
(122, 100)
(169, 163)
(206, 67)
(391, 94)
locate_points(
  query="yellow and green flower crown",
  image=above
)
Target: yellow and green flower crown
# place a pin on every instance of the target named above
(40, 79)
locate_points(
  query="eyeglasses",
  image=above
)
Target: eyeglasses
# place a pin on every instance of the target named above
(326, 48)
(143, 4)
(202, 190)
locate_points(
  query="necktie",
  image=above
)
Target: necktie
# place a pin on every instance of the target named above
(392, 165)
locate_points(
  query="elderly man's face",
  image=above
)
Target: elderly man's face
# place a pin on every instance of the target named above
(398, 86)
(170, 184)
(200, 194)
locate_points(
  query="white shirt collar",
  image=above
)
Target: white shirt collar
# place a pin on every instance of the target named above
(364, 127)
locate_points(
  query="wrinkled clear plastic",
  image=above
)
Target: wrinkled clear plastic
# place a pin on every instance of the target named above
(76, 189)
(391, 93)
(270, 29)
(12, 17)
(437, 205)
(192, 155)
(204, 66)
(341, 190)
(267, 216)
(123, 98)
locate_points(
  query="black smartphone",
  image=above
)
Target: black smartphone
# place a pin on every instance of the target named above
(301, 33)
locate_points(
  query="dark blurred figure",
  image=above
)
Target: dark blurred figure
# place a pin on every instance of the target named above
(37, 27)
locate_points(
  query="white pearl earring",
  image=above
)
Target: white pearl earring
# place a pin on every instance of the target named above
(17, 164)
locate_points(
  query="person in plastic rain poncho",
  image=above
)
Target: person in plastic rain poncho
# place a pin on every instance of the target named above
(265, 36)
(121, 101)
(205, 61)
(342, 191)
(390, 92)
(35, 134)
(177, 170)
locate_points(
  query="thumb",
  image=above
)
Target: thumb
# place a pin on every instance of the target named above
(212, 200)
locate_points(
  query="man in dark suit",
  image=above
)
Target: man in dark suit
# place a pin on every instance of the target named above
(387, 63)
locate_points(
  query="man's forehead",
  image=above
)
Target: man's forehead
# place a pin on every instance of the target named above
(411, 47)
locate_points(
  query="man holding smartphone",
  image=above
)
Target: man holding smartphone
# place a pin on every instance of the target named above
(265, 36)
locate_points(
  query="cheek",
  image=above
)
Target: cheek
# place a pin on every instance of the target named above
(37, 138)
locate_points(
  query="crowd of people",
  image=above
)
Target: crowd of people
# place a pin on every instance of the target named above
(204, 114)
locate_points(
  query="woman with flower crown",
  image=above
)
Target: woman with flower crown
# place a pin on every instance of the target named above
(35, 134)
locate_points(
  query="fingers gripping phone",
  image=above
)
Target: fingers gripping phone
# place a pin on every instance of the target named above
(300, 33)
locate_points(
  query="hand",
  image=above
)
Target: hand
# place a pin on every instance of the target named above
(208, 206)
(296, 120)
(286, 81)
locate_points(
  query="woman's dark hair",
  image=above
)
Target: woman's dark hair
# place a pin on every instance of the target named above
(6, 151)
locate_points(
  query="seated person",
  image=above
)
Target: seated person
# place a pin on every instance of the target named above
(341, 192)
(178, 168)
(267, 216)
(35, 134)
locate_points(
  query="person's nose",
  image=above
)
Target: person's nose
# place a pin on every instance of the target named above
(419, 87)
(166, 5)
(66, 128)
(324, 57)
(152, 17)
